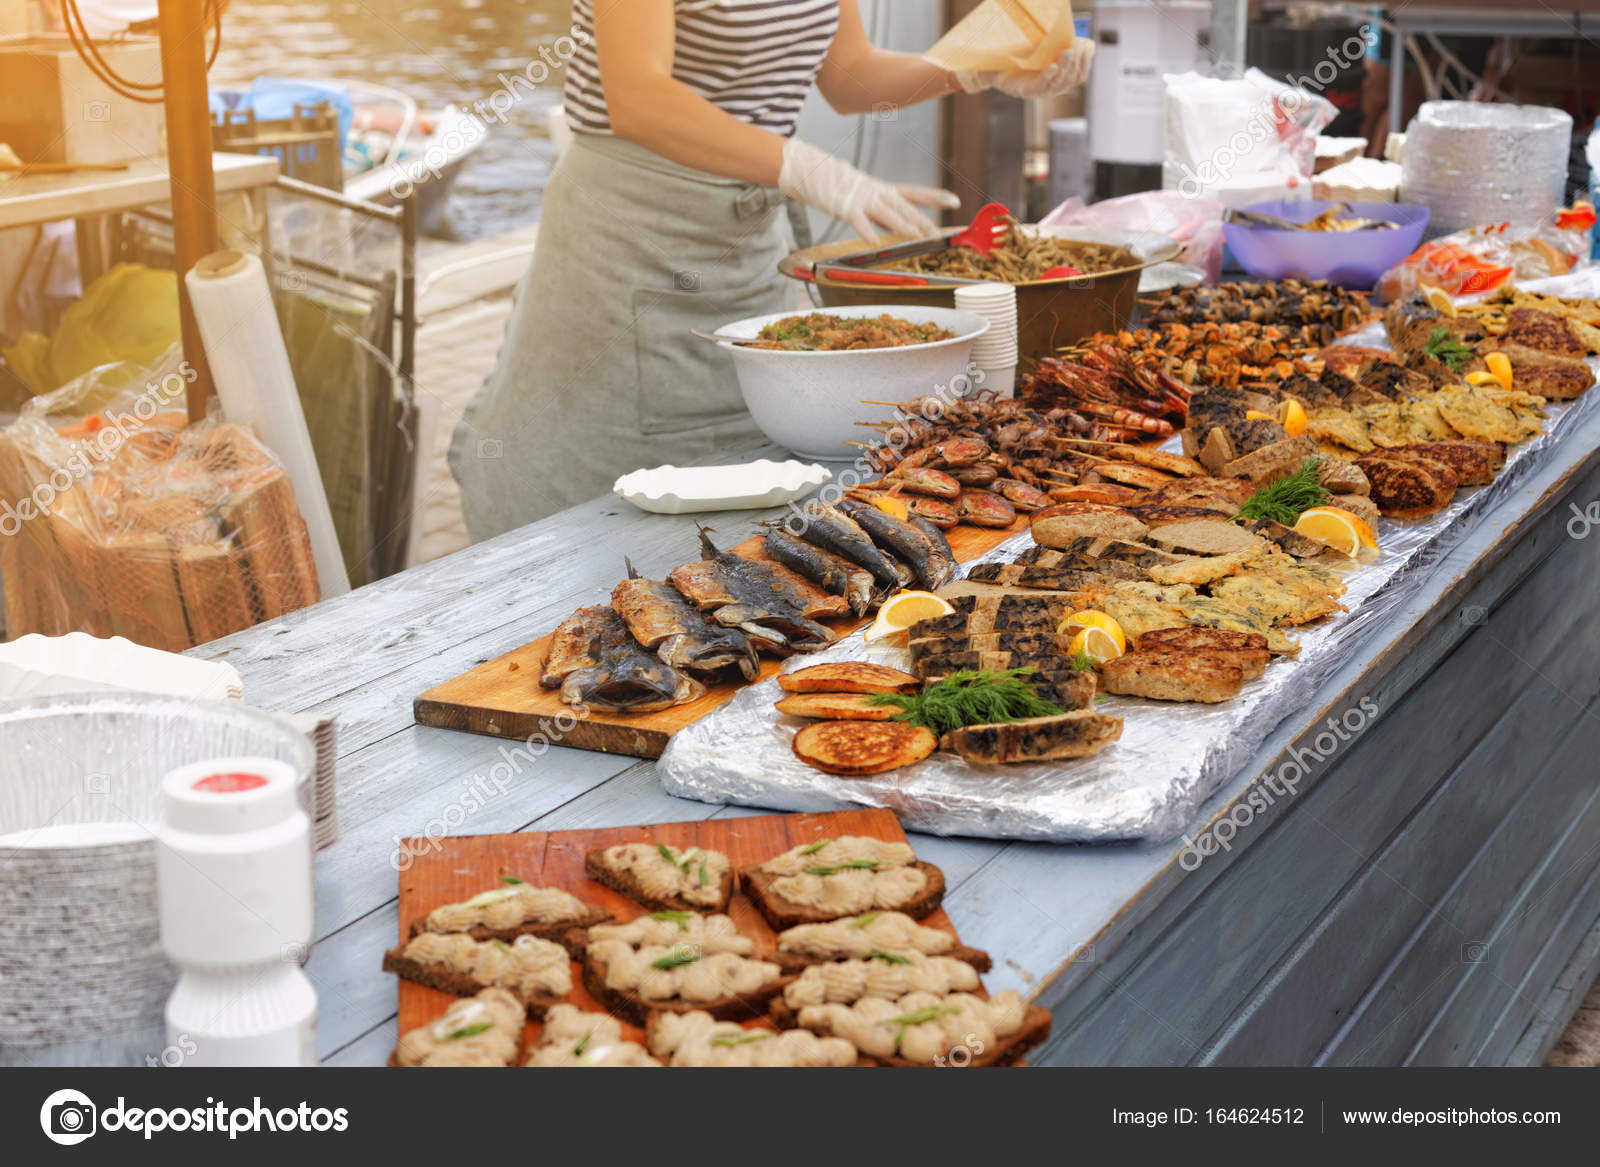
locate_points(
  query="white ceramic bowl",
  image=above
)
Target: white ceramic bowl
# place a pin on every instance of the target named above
(809, 402)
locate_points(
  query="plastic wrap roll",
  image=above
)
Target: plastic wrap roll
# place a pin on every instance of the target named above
(1472, 163)
(244, 345)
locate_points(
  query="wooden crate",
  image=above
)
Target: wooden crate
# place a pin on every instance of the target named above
(55, 110)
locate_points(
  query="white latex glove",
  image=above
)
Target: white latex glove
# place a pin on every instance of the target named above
(820, 180)
(1070, 70)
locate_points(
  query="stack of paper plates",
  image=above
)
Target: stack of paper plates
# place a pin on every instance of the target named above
(78, 663)
(80, 786)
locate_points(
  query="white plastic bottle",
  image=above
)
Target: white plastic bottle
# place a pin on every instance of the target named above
(233, 865)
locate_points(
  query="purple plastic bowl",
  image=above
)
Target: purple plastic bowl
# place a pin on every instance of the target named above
(1351, 259)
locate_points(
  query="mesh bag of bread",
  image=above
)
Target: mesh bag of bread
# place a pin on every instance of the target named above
(131, 522)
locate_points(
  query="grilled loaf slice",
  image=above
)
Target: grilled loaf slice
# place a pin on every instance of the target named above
(859, 748)
(1408, 489)
(834, 878)
(645, 873)
(1059, 525)
(1172, 675)
(1273, 461)
(848, 676)
(836, 707)
(1207, 537)
(1035, 739)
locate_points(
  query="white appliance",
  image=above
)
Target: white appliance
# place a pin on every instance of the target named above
(1136, 43)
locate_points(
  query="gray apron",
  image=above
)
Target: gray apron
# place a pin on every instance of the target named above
(598, 374)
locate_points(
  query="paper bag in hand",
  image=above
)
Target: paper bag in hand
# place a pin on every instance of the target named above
(1006, 36)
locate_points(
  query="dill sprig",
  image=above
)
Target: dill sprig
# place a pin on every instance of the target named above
(970, 697)
(1284, 499)
(1442, 346)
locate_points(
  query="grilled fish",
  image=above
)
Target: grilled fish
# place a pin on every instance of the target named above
(930, 527)
(836, 533)
(595, 661)
(823, 568)
(679, 633)
(932, 567)
(766, 601)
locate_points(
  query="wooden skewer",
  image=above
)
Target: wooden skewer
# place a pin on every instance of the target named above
(875, 425)
(890, 404)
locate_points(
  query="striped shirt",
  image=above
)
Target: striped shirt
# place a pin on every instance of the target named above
(755, 59)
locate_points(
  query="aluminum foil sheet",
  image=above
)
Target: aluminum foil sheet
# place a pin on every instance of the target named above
(1171, 757)
(1472, 163)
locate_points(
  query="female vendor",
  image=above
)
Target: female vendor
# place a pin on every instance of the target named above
(667, 214)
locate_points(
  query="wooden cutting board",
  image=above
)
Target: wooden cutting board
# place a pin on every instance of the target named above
(503, 697)
(450, 870)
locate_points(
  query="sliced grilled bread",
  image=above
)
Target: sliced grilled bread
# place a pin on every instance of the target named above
(848, 676)
(515, 909)
(485, 1030)
(871, 934)
(630, 1005)
(1206, 537)
(1059, 525)
(1172, 675)
(1065, 735)
(664, 878)
(836, 707)
(1274, 460)
(1131, 474)
(833, 878)
(538, 973)
(1102, 492)
(857, 748)
(931, 1029)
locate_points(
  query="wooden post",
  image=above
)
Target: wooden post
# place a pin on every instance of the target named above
(194, 194)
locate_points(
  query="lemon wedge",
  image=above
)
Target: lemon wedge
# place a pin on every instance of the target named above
(1097, 644)
(1500, 366)
(1439, 300)
(1338, 528)
(900, 612)
(1094, 633)
(1294, 418)
(890, 505)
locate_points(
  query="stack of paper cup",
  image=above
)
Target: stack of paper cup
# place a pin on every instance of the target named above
(995, 352)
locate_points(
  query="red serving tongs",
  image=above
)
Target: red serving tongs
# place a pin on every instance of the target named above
(983, 234)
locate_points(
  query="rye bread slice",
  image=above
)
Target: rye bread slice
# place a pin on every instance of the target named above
(629, 1006)
(555, 930)
(449, 980)
(628, 884)
(795, 963)
(782, 913)
(1007, 1052)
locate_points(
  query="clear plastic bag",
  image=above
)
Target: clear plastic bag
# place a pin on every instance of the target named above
(1241, 141)
(1194, 222)
(1480, 259)
(131, 522)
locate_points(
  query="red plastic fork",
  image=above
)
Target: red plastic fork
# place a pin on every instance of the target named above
(988, 228)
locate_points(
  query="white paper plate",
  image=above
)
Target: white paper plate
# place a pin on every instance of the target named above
(682, 490)
(54, 663)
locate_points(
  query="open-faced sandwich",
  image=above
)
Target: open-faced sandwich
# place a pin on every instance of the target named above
(868, 935)
(883, 974)
(516, 908)
(930, 1029)
(483, 1031)
(663, 877)
(538, 973)
(678, 962)
(699, 1039)
(574, 1037)
(847, 876)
